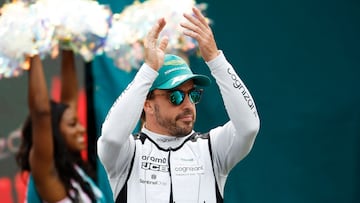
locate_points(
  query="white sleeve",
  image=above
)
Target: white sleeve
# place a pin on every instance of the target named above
(233, 141)
(115, 145)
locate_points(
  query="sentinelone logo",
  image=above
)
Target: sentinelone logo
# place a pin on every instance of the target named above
(152, 182)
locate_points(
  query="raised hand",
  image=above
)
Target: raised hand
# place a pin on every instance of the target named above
(154, 52)
(198, 28)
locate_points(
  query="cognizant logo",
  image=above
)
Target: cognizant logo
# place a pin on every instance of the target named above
(187, 169)
(240, 86)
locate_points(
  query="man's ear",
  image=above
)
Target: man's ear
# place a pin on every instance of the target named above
(148, 108)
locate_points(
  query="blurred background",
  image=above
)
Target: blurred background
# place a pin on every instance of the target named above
(300, 59)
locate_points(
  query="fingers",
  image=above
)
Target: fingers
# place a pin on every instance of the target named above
(198, 28)
(200, 16)
(193, 27)
(163, 43)
(196, 19)
(196, 25)
(151, 39)
(153, 51)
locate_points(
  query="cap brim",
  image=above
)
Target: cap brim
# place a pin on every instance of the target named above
(200, 80)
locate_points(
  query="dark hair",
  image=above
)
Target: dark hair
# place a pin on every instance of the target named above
(142, 117)
(64, 158)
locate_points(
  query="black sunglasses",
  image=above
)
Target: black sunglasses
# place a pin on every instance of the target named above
(177, 97)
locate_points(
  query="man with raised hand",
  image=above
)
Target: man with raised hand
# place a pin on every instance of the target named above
(168, 161)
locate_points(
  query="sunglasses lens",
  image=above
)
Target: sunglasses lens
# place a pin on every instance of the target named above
(177, 97)
(195, 96)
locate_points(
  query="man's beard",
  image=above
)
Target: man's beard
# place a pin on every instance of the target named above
(171, 125)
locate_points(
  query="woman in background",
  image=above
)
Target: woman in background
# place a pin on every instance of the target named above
(53, 139)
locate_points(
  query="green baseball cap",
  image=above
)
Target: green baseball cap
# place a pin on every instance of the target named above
(175, 72)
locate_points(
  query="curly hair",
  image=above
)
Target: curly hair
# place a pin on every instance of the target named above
(64, 158)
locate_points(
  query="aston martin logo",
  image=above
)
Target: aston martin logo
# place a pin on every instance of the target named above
(174, 62)
(178, 79)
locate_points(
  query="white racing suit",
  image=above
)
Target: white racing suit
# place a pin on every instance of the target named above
(154, 168)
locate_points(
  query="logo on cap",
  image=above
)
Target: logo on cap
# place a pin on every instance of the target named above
(180, 78)
(174, 62)
(175, 69)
